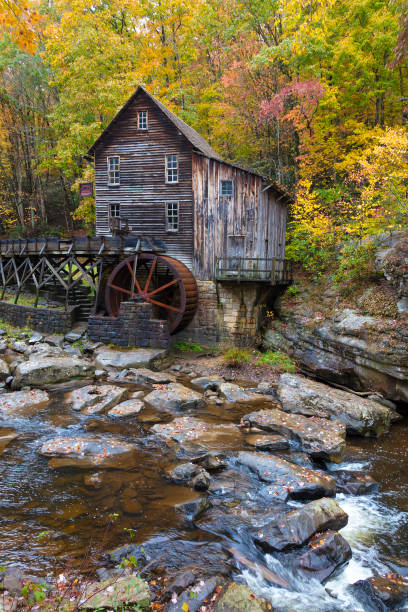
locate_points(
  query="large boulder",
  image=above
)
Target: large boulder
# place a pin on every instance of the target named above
(110, 359)
(240, 598)
(112, 594)
(128, 408)
(175, 396)
(360, 415)
(320, 438)
(381, 593)
(43, 372)
(87, 452)
(234, 394)
(287, 480)
(194, 598)
(326, 552)
(295, 528)
(23, 403)
(184, 430)
(94, 399)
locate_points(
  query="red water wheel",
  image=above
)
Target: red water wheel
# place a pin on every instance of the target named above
(162, 281)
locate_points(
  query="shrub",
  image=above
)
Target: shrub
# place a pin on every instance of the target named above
(188, 346)
(280, 360)
(356, 265)
(236, 357)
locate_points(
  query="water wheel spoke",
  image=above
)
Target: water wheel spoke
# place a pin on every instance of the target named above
(149, 278)
(133, 275)
(163, 287)
(162, 305)
(121, 289)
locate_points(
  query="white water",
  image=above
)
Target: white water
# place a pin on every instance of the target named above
(368, 519)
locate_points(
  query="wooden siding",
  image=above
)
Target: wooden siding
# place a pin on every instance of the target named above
(142, 192)
(251, 223)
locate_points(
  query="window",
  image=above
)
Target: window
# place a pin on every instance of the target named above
(115, 210)
(142, 120)
(226, 189)
(113, 170)
(171, 168)
(172, 216)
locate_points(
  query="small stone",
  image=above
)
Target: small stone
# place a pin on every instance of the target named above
(36, 337)
(201, 481)
(73, 336)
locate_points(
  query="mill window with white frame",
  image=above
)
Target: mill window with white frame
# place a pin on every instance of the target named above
(226, 189)
(171, 168)
(172, 216)
(115, 211)
(142, 120)
(114, 170)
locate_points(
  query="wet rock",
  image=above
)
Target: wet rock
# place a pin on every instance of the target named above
(109, 359)
(208, 383)
(4, 370)
(94, 480)
(7, 436)
(128, 408)
(23, 403)
(54, 340)
(87, 452)
(267, 442)
(144, 376)
(295, 528)
(240, 598)
(210, 461)
(300, 459)
(130, 589)
(131, 505)
(193, 509)
(326, 552)
(360, 415)
(73, 336)
(258, 568)
(320, 438)
(183, 473)
(287, 480)
(175, 397)
(196, 596)
(41, 372)
(180, 582)
(94, 399)
(355, 483)
(201, 481)
(187, 429)
(381, 593)
(235, 394)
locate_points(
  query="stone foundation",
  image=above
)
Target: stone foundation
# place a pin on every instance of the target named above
(228, 314)
(134, 326)
(46, 320)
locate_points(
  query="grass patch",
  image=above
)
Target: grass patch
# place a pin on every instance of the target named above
(280, 360)
(189, 347)
(236, 357)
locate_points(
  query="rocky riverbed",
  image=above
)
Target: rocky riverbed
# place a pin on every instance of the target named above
(209, 494)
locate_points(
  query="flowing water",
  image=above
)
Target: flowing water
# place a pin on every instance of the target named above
(51, 517)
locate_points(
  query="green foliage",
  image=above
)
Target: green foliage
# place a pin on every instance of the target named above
(236, 357)
(356, 265)
(189, 347)
(292, 291)
(280, 360)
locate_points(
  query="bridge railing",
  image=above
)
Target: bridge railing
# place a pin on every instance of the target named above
(273, 270)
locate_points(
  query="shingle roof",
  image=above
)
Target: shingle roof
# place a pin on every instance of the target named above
(192, 136)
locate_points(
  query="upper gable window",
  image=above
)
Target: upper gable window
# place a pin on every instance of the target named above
(114, 170)
(171, 168)
(226, 189)
(142, 120)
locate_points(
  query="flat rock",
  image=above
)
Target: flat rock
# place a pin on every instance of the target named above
(354, 483)
(295, 528)
(326, 552)
(54, 340)
(94, 399)
(205, 382)
(361, 416)
(320, 438)
(19, 346)
(286, 479)
(36, 337)
(234, 394)
(194, 598)
(73, 336)
(41, 350)
(23, 403)
(109, 594)
(144, 376)
(87, 452)
(240, 598)
(6, 436)
(175, 396)
(267, 442)
(381, 593)
(187, 429)
(127, 408)
(109, 359)
(40, 372)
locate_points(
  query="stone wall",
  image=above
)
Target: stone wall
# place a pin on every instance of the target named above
(228, 313)
(134, 326)
(46, 320)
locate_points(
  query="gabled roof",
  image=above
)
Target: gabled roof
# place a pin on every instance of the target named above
(192, 136)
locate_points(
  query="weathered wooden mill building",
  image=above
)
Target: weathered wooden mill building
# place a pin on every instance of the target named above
(199, 240)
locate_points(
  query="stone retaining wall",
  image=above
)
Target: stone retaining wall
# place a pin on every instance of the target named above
(134, 326)
(46, 320)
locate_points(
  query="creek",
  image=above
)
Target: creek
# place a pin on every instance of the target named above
(50, 518)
